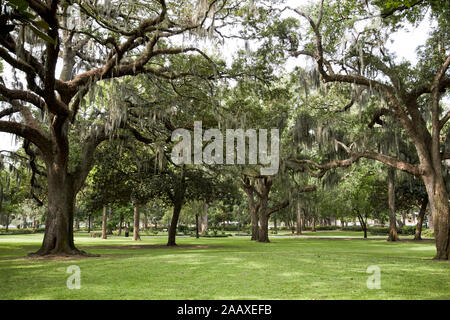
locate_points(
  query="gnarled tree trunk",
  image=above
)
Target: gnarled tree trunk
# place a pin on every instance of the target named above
(254, 221)
(58, 238)
(393, 236)
(438, 199)
(263, 230)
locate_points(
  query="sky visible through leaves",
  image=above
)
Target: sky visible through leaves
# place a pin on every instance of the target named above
(404, 44)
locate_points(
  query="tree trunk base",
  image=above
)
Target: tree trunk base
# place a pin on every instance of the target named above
(61, 253)
(393, 238)
(444, 258)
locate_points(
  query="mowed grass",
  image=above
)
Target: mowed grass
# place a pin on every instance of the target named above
(225, 268)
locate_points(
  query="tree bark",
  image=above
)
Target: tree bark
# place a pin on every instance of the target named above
(438, 200)
(254, 221)
(197, 235)
(253, 209)
(104, 218)
(393, 235)
(178, 200)
(299, 218)
(136, 218)
(420, 218)
(108, 225)
(58, 238)
(263, 231)
(174, 223)
(313, 224)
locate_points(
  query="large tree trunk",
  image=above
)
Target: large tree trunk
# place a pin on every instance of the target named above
(438, 200)
(393, 236)
(313, 224)
(254, 220)
(423, 210)
(136, 236)
(263, 231)
(253, 208)
(104, 218)
(58, 238)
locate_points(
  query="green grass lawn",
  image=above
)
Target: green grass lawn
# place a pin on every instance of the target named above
(226, 268)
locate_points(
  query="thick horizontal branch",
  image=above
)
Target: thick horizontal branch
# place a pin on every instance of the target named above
(26, 96)
(9, 111)
(27, 132)
(354, 157)
(277, 207)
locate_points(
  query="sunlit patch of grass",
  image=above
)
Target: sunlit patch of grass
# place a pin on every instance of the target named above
(225, 268)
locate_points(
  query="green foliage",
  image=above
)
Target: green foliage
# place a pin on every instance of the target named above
(20, 231)
(352, 228)
(427, 233)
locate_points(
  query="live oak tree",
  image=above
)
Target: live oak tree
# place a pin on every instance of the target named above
(348, 52)
(61, 51)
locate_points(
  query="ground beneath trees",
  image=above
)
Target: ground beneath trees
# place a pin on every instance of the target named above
(153, 246)
(225, 268)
